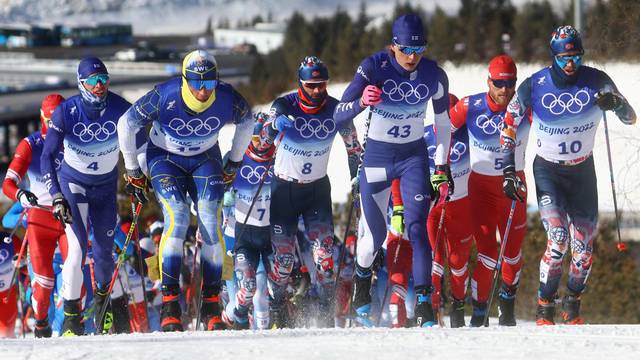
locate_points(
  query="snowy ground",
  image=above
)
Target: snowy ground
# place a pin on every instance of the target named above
(522, 342)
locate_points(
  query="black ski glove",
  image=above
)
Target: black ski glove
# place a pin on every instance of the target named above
(512, 186)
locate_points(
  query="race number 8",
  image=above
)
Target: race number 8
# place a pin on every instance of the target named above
(306, 168)
(574, 147)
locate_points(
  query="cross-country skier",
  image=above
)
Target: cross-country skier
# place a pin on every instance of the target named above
(483, 115)
(8, 288)
(397, 84)
(85, 187)
(300, 186)
(253, 238)
(564, 102)
(44, 231)
(456, 234)
(183, 158)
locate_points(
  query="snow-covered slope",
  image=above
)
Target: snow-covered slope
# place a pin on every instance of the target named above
(521, 342)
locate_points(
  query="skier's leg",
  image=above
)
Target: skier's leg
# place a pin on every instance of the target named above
(246, 263)
(76, 249)
(437, 244)
(552, 207)
(583, 216)
(169, 182)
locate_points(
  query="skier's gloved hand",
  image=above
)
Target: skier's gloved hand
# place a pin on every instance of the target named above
(442, 183)
(512, 186)
(137, 185)
(397, 220)
(229, 198)
(61, 209)
(229, 171)
(370, 96)
(27, 198)
(282, 122)
(607, 99)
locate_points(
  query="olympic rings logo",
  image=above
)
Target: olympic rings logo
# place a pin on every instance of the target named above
(457, 151)
(94, 131)
(489, 125)
(253, 175)
(4, 255)
(308, 128)
(405, 91)
(564, 102)
(195, 126)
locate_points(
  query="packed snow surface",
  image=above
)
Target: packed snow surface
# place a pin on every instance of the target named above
(525, 341)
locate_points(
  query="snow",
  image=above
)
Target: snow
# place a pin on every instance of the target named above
(525, 341)
(470, 79)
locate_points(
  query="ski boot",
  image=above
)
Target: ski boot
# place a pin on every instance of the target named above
(456, 315)
(241, 320)
(571, 309)
(479, 312)
(121, 321)
(506, 311)
(424, 307)
(210, 312)
(278, 315)
(100, 300)
(171, 313)
(72, 324)
(545, 311)
(42, 329)
(361, 300)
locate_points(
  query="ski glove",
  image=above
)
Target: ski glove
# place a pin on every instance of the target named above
(370, 96)
(512, 186)
(229, 171)
(282, 122)
(27, 198)
(137, 185)
(61, 209)
(442, 183)
(397, 220)
(609, 100)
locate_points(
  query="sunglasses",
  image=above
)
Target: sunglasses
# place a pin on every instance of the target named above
(200, 84)
(314, 85)
(563, 60)
(95, 79)
(408, 50)
(503, 83)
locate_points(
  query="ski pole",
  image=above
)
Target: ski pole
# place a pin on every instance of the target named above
(436, 252)
(14, 276)
(354, 195)
(192, 279)
(134, 223)
(140, 266)
(8, 239)
(620, 246)
(498, 267)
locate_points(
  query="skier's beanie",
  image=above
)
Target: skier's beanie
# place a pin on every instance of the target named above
(408, 31)
(89, 66)
(502, 67)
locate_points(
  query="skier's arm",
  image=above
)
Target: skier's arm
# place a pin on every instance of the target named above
(351, 143)
(243, 120)
(442, 123)
(623, 110)
(279, 107)
(458, 114)
(142, 112)
(52, 145)
(17, 169)
(350, 104)
(519, 109)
